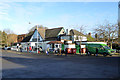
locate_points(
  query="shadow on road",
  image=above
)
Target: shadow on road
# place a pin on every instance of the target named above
(65, 67)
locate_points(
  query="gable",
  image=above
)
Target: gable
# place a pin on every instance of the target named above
(62, 32)
(28, 37)
(34, 36)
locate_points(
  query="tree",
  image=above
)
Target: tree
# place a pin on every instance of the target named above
(107, 32)
(4, 38)
(89, 37)
(8, 31)
(11, 37)
(0, 38)
(96, 37)
(39, 26)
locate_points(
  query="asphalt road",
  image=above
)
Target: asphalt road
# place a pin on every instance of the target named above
(31, 65)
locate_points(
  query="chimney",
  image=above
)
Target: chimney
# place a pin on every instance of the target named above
(89, 34)
(67, 31)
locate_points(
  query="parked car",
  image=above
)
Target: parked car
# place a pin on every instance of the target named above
(6, 48)
(14, 47)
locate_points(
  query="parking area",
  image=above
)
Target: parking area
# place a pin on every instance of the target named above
(32, 65)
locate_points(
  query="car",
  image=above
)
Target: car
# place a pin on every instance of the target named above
(6, 48)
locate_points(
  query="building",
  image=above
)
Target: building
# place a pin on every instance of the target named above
(20, 37)
(44, 36)
(51, 36)
(77, 36)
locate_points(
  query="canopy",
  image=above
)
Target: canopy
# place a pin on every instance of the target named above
(53, 42)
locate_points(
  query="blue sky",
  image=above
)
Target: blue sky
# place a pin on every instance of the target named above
(17, 15)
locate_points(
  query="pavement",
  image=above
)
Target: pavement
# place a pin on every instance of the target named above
(33, 65)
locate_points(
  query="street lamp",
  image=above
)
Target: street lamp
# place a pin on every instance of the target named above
(37, 38)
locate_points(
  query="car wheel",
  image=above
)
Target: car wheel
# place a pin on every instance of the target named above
(110, 55)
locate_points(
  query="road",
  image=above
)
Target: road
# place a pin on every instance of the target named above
(31, 65)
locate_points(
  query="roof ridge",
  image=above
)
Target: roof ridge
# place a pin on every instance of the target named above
(54, 28)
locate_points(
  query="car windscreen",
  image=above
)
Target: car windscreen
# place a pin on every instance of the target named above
(106, 47)
(15, 44)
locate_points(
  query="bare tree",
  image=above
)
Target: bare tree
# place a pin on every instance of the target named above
(11, 37)
(107, 32)
(82, 30)
(39, 26)
(8, 31)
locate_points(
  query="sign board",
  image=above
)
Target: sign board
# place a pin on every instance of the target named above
(82, 46)
(32, 44)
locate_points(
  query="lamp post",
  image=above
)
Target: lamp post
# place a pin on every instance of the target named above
(37, 38)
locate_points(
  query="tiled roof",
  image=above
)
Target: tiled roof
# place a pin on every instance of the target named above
(45, 33)
(42, 32)
(28, 37)
(52, 32)
(75, 32)
(53, 42)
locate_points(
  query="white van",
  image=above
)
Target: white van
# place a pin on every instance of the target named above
(15, 47)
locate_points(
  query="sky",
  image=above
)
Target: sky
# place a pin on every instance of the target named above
(17, 15)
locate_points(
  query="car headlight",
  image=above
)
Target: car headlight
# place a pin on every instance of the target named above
(109, 51)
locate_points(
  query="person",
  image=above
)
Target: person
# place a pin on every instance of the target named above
(87, 51)
(30, 49)
(55, 50)
(20, 48)
(17, 48)
(66, 52)
(60, 51)
(27, 49)
(96, 51)
(47, 51)
(80, 51)
(40, 49)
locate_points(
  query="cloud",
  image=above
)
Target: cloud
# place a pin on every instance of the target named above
(4, 8)
(59, 0)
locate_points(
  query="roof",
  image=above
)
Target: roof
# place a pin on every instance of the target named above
(28, 36)
(42, 32)
(45, 33)
(52, 32)
(75, 32)
(53, 42)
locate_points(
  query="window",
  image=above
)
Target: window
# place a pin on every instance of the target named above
(106, 47)
(35, 39)
(59, 45)
(56, 46)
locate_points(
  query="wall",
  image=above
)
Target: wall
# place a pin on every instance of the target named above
(79, 38)
(34, 36)
(65, 37)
